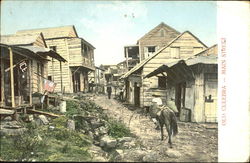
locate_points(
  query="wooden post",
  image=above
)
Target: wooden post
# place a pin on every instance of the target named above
(2, 83)
(19, 87)
(12, 83)
(30, 82)
(52, 69)
(12, 78)
(61, 76)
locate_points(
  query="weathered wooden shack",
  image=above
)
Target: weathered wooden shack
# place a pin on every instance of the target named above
(192, 84)
(24, 66)
(148, 44)
(77, 51)
(140, 91)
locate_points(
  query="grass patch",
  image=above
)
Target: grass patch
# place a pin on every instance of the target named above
(117, 129)
(42, 143)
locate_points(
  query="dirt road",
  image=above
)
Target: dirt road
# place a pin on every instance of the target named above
(194, 142)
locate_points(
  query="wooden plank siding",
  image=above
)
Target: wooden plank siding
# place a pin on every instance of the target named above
(155, 38)
(150, 85)
(61, 48)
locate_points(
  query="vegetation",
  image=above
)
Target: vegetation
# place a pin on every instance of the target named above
(117, 129)
(55, 142)
(45, 143)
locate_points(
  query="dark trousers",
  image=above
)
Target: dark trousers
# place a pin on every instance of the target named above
(121, 96)
(109, 94)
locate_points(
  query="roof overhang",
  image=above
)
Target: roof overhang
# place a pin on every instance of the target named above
(25, 52)
(45, 51)
(180, 70)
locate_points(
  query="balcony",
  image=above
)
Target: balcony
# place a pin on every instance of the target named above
(82, 61)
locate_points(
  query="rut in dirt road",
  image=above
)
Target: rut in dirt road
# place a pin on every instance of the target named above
(194, 142)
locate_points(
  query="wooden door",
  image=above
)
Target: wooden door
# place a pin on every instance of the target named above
(211, 86)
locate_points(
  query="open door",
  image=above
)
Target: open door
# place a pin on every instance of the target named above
(136, 94)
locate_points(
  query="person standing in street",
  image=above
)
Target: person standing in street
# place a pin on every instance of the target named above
(109, 90)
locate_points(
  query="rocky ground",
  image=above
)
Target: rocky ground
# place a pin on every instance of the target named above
(95, 128)
(194, 142)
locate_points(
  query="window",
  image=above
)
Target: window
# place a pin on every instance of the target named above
(162, 82)
(53, 48)
(151, 49)
(175, 52)
(50, 78)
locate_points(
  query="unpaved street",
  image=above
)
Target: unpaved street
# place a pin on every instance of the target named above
(194, 142)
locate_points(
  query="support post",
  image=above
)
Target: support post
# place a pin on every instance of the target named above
(30, 82)
(52, 69)
(12, 78)
(61, 76)
(12, 84)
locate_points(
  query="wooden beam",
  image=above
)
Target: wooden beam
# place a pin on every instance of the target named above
(43, 113)
(30, 81)
(12, 78)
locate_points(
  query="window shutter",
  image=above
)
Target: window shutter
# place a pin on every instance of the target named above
(175, 52)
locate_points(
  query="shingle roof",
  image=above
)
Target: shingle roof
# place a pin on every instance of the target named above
(44, 51)
(24, 42)
(19, 39)
(52, 32)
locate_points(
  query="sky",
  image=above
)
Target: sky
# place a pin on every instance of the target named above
(111, 25)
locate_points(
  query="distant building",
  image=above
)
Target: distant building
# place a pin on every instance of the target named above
(78, 52)
(98, 79)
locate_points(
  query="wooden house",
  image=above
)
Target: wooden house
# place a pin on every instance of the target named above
(140, 91)
(24, 67)
(148, 44)
(192, 84)
(78, 52)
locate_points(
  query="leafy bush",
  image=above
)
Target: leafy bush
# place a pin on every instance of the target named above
(72, 108)
(117, 129)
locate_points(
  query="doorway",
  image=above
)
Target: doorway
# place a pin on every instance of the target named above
(136, 94)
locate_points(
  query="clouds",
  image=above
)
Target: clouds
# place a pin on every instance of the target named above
(113, 26)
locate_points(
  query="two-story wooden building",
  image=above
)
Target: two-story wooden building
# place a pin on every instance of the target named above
(78, 52)
(140, 91)
(148, 44)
